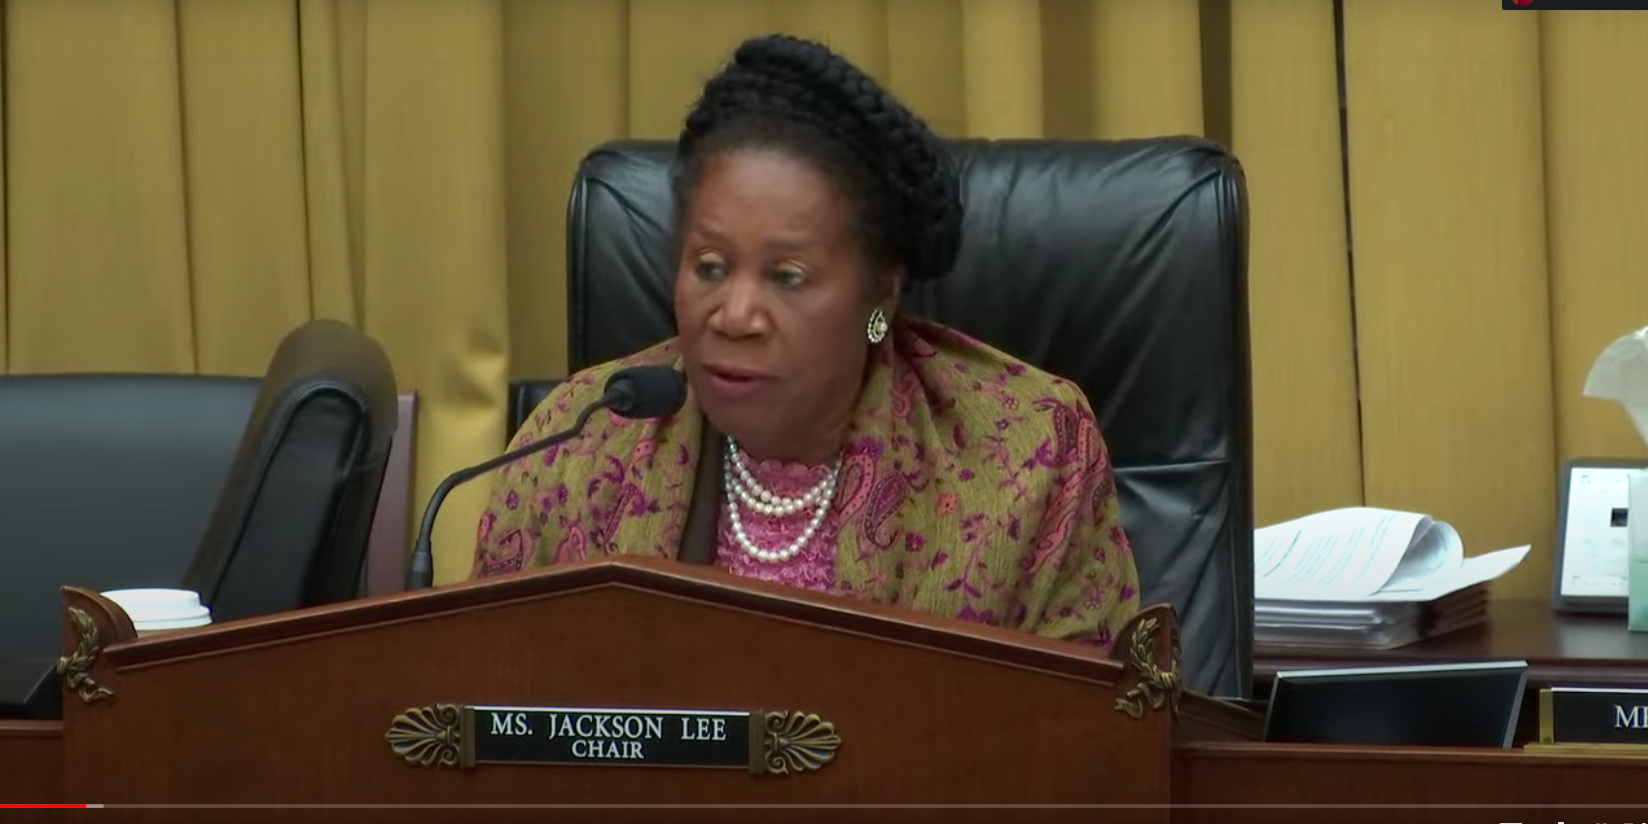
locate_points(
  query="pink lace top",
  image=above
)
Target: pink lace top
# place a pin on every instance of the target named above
(813, 567)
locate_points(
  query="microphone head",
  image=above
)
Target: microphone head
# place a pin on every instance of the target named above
(646, 391)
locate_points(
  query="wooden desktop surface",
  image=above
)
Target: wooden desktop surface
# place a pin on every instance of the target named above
(1561, 650)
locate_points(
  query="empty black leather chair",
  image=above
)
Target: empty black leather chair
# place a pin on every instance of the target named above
(258, 494)
(1119, 265)
(291, 526)
(106, 481)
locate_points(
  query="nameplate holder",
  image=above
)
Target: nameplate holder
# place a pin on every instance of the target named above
(1594, 717)
(465, 736)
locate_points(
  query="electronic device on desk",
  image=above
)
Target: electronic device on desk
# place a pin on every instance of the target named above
(1592, 554)
(1439, 705)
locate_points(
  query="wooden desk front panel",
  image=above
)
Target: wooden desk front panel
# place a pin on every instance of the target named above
(273, 719)
(31, 762)
(1216, 783)
(1352, 785)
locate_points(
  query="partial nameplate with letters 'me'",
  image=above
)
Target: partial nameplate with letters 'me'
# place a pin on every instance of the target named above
(763, 742)
(1594, 716)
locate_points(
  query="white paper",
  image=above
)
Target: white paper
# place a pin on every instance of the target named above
(1294, 615)
(1341, 551)
(1363, 577)
(1364, 555)
(1437, 551)
(1620, 374)
(1351, 553)
(1470, 572)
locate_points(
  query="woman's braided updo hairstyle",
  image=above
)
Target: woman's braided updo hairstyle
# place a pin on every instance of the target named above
(799, 97)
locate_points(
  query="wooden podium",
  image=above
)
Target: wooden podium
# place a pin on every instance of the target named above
(620, 682)
(680, 693)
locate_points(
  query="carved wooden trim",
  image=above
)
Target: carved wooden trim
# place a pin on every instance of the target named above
(1148, 649)
(90, 623)
(666, 577)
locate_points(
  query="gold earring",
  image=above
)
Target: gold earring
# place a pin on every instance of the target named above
(876, 330)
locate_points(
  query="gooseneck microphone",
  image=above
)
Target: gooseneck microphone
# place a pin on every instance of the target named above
(636, 392)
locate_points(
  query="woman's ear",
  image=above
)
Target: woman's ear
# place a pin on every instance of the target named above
(891, 289)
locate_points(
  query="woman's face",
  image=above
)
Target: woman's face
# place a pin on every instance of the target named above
(771, 304)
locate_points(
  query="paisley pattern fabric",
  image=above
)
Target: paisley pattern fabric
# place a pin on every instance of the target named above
(972, 486)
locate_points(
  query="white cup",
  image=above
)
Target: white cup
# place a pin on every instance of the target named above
(161, 610)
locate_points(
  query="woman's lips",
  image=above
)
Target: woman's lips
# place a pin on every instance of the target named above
(733, 383)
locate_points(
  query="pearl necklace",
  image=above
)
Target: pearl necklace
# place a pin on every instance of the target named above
(742, 487)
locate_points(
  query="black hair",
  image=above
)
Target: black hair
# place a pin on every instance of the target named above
(799, 97)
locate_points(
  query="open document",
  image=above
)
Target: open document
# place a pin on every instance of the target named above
(1367, 577)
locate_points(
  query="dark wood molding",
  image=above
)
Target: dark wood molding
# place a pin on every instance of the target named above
(656, 575)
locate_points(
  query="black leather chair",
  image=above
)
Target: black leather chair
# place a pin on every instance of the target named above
(1119, 265)
(258, 494)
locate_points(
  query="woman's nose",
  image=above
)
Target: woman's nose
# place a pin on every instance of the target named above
(741, 313)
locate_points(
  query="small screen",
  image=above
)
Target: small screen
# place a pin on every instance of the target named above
(1447, 705)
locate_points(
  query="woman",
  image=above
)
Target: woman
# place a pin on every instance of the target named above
(843, 447)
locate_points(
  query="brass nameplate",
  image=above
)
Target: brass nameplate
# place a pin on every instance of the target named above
(1583, 715)
(762, 742)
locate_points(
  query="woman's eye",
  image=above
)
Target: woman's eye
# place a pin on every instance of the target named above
(710, 269)
(788, 278)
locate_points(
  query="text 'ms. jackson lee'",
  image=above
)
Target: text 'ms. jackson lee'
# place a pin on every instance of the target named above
(765, 742)
(559, 735)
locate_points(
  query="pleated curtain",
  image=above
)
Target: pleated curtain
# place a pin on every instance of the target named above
(1433, 266)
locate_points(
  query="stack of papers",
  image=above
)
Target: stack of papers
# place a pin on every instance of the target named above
(1368, 578)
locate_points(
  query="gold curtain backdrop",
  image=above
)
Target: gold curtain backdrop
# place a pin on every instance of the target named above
(186, 180)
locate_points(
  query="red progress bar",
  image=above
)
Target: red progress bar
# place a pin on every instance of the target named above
(47, 806)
